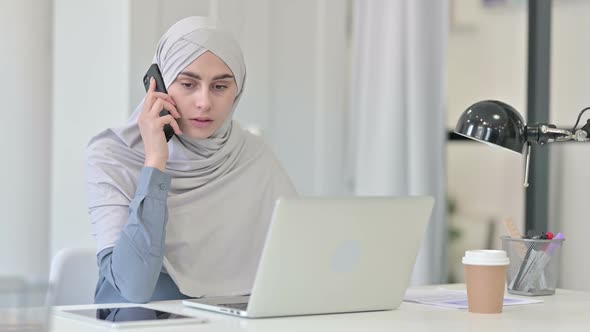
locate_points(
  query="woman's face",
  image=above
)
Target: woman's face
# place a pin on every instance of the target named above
(204, 93)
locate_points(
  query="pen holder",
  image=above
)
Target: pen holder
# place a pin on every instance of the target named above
(534, 265)
(24, 305)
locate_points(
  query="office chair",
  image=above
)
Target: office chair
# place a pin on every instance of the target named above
(73, 276)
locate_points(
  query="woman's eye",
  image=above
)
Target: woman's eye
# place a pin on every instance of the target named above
(220, 87)
(187, 85)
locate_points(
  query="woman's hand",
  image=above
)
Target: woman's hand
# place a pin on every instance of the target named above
(151, 126)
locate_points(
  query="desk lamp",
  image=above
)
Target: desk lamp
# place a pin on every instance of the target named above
(499, 124)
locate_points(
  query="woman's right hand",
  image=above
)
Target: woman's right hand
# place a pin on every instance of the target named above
(151, 126)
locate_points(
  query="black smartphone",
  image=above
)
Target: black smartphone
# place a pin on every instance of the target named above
(154, 71)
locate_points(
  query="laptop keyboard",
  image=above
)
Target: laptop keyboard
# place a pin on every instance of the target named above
(239, 306)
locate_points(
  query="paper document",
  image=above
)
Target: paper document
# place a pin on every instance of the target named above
(451, 298)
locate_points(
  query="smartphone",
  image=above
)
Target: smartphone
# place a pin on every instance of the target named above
(154, 71)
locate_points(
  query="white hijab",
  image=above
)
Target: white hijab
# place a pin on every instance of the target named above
(223, 188)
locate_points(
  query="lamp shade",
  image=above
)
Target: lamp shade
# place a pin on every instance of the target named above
(493, 122)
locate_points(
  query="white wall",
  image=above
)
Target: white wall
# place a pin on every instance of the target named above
(91, 79)
(570, 86)
(25, 90)
(487, 60)
(309, 78)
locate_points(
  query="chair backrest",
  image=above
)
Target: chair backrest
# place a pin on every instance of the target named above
(73, 276)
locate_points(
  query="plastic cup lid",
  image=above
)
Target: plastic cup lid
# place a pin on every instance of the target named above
(485, 257)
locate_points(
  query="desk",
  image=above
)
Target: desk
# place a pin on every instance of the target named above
(565, 311)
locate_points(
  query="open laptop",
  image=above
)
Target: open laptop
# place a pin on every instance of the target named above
(326, 255)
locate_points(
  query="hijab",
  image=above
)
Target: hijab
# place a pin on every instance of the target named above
(223, 188)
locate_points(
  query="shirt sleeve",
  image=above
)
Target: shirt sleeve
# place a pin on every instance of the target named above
(133, 265)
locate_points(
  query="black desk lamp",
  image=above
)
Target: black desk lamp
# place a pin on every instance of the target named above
(496, 123)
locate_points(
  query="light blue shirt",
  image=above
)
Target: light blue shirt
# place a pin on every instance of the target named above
(131, 271)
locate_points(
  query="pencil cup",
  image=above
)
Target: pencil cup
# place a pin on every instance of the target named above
(534, 265)
(485, 276)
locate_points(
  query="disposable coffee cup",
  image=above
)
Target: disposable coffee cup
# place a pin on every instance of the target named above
(485, 276)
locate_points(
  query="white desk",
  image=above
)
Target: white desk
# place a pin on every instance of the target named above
(564, 311)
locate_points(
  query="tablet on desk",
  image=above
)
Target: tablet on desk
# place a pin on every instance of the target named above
(124, 317)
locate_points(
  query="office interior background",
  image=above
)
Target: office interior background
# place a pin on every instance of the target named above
(355, 97)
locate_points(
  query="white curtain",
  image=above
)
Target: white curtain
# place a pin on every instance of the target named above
(398, 107)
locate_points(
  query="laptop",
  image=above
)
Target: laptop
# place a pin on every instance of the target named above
(325, 255)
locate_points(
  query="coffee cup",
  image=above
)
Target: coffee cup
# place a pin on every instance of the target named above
(485, 276)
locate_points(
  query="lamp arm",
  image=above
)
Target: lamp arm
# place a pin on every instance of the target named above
(557, 134)
(547, 133)
(541, 133)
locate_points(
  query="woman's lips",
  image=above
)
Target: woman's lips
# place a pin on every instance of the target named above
(201, 123)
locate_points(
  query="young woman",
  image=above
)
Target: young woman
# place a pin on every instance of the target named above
(188, 217)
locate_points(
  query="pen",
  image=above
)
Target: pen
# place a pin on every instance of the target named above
(543, 259)
(523, 267)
